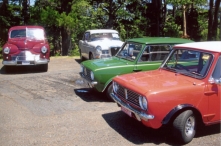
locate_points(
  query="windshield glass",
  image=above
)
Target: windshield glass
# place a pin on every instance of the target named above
(130, 51)
(32, 33)
(103, 36)
(189, 62)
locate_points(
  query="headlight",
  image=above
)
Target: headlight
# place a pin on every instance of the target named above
(115, 87)
(143, 102)
(44, 49)
(6, 50)
(92, 75)
(98, 50)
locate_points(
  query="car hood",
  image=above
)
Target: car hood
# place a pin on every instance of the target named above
(99, 64)
(24, 43)
(105, 44)
(156, 81)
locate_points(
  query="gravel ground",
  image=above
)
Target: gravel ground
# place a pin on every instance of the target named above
(57, 109)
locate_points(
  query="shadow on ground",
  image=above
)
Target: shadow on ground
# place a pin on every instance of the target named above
(135, 132)
(90, 95)
(20, 70)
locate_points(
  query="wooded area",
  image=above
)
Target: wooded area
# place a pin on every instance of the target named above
(66, 20)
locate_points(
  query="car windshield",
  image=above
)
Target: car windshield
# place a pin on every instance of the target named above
(129, 51)
(188, 62)
(104, 36)
(32, 33)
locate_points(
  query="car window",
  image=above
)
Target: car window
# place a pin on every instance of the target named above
(155, 53)
(217, 71)
(188, 62)
(130, 51)
(18, 33)
(103, 36)
(86, 36)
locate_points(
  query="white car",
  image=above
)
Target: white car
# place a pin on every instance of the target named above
(99, 43)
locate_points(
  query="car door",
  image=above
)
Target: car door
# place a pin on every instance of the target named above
(213, 94)
(152, 56)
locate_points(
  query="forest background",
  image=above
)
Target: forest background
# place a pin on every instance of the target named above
(65, 21)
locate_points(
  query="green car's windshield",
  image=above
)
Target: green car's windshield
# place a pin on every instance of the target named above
(188, 62)
(130, 51)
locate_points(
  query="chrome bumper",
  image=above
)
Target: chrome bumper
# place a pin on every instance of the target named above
(137, 113)
(35, 62)
(91, 83)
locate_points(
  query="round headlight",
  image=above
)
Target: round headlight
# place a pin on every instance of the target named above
(98, 50)
(6, 50)
(115, 87)
(44, 49)
(143, 102)
(92, 75)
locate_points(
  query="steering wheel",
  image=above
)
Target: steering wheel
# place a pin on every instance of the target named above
(179, 66)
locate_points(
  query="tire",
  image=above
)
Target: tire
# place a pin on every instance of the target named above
(91, 57)
(109, 90)
(44, 67)
(184, 126)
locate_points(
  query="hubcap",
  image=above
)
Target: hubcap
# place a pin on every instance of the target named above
(190, 126)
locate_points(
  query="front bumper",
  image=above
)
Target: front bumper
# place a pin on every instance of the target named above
(87, 80)
(25, 58)
(138, 114)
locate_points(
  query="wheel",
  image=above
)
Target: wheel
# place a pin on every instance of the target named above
(91, 57)
(109, 90)
(44, 67)
(184, 126)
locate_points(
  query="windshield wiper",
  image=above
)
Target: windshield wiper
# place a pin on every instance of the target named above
(169, 68)
(195, 73)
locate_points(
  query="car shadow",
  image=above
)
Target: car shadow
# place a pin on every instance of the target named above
(90, 95)
(20, 70)
(78, 61)
(135, 132)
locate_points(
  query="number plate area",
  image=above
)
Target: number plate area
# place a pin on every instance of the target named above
(25, 62)
(126, 111)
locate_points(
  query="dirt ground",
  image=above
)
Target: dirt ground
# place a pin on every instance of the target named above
(56, 108)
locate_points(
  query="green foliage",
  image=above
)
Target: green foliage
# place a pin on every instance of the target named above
(171, 29)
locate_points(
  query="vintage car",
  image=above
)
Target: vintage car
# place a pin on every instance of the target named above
(138, 54)
(26, 45)
(184, 92)
(99, 43)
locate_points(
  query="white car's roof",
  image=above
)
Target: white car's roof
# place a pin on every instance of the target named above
(102, 31)
(214, 46)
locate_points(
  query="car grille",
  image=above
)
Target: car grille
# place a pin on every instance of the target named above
(129, 96)
(114, 50)
(86, 73)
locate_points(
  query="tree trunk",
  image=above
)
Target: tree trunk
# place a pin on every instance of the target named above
(210, 23)
(184, 22)
(66, 41)
(215, 20)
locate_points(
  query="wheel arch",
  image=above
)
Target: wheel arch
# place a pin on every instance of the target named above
(107, 84)
(179, 109)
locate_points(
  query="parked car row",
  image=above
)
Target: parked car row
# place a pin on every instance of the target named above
(159, 81)
(162, 82)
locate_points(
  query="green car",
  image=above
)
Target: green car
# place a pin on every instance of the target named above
(138, 54)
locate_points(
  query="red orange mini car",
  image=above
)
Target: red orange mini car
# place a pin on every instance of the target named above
(26, 45)
(183, 92)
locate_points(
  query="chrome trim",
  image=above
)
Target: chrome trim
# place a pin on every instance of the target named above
(92, 83)
(140, 114)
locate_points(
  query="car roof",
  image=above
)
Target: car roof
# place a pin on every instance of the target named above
(159, 40)
(102, 31)
(214, 46)
(25, 26)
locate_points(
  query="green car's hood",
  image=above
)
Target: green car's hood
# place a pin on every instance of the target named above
(98, 64)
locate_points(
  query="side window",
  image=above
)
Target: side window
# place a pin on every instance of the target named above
(159, 53)
(145, 55)
(86, 36)
(217, 71)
